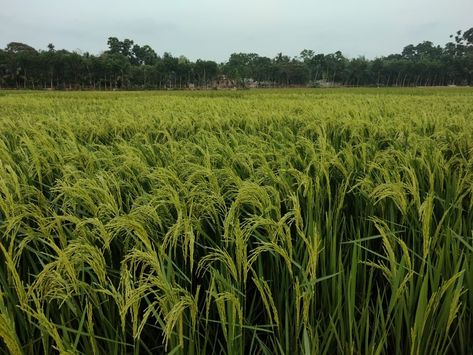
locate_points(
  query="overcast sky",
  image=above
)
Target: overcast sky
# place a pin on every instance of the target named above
(213, 29)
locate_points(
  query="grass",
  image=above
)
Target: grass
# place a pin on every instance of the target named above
(259, 222)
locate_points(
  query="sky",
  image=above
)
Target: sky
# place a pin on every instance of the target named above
(213, 29)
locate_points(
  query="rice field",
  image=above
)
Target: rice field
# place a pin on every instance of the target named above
(237, 222)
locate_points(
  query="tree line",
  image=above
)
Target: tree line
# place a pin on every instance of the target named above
(127, 65)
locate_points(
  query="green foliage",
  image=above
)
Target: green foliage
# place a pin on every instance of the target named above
(126, 65)
(275, 222)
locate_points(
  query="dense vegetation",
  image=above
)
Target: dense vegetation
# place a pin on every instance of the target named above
(131, 66)
(259, 222)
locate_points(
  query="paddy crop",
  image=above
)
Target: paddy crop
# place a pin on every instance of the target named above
(259, 222)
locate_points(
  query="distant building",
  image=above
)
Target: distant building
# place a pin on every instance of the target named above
(223, 82)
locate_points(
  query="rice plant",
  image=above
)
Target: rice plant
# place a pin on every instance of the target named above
(260, 222)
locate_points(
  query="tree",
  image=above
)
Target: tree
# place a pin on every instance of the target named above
(126, 64)
(239, 66)
(205, 71)
(18, 47)
(114, 45)
(143, 55)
